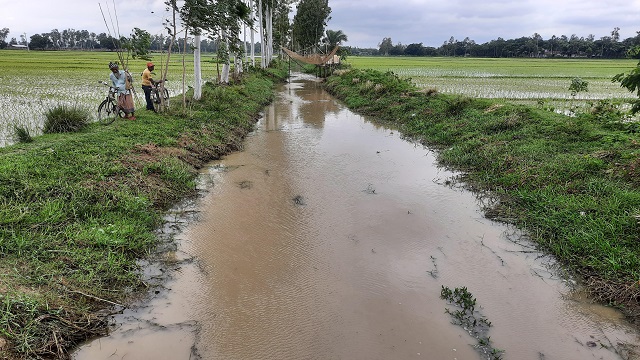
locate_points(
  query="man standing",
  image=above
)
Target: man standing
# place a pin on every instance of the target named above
(147, 82)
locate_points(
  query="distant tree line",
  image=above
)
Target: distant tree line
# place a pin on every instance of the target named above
(71, 39)
(609, 47)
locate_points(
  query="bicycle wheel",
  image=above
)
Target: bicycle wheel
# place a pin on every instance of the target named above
(165, 96)
(107, 112)
(157, 101)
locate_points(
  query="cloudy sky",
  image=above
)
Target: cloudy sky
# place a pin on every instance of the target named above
(365, 22)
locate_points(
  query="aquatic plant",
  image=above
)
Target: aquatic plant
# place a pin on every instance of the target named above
(470, 319)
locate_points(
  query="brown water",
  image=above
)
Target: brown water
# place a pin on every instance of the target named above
(329, 237)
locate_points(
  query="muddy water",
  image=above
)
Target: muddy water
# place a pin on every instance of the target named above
(330, 238)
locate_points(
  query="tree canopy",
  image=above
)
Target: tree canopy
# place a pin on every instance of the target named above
(309, 23)
(334, 38)
(609, 46)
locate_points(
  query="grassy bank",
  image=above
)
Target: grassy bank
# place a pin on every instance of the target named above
(79, 209)
(573, 183)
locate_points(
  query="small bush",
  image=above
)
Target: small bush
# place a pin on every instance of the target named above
(577, 86)
(21, 134)
(62, 119)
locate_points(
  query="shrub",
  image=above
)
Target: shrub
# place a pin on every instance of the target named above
(63, 119)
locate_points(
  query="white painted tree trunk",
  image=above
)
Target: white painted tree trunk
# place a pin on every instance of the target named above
(238, 65)
(224, 77)
(253, 44)
(269, 41)
(197, 70)
(262, 46)
(244, 43)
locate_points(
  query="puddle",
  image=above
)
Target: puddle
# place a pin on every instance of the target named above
(329, 237)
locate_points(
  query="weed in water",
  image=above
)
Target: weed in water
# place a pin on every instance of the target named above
(470, 319)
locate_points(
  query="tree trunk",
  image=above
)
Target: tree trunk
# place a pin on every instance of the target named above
(269, 34)
(262, 47)
(184, 71)
(253, 45)
(197, 85)
(224, 77)
(166, 67)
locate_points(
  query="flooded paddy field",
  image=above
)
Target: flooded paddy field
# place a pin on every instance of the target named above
(537, 82)
(34, 82)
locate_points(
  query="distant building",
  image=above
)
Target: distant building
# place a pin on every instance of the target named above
(18, 47)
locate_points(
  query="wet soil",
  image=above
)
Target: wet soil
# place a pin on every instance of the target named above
(330, 237)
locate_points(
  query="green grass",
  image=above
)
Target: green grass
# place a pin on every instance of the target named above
(80, 209)
(571, 182)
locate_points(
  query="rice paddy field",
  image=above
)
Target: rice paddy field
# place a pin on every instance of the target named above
(32, 82)
(521, 80)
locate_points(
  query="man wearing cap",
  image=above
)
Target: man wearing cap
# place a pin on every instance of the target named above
(147, 81)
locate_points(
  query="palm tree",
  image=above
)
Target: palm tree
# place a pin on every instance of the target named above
(334, 38)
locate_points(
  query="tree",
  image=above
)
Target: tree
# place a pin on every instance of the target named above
(334, 38)
(108, 42)
(631, 81)
(309, 22)
(281, 25)
(398, 49)
(138, 44)
(415, 50)
(467, 44)
(385, 46)
(577, 86)
(3, 36)
(4, 33)
(38, 41)
(537, 39)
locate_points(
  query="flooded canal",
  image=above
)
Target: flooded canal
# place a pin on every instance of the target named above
(329, 237)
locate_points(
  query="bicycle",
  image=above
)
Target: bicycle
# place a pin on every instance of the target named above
(159, 101)
(108, 110)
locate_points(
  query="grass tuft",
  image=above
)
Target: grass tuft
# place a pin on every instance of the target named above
(21, 134)
(64, 119)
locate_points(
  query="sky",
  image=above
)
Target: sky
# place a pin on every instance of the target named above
(365, 22)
